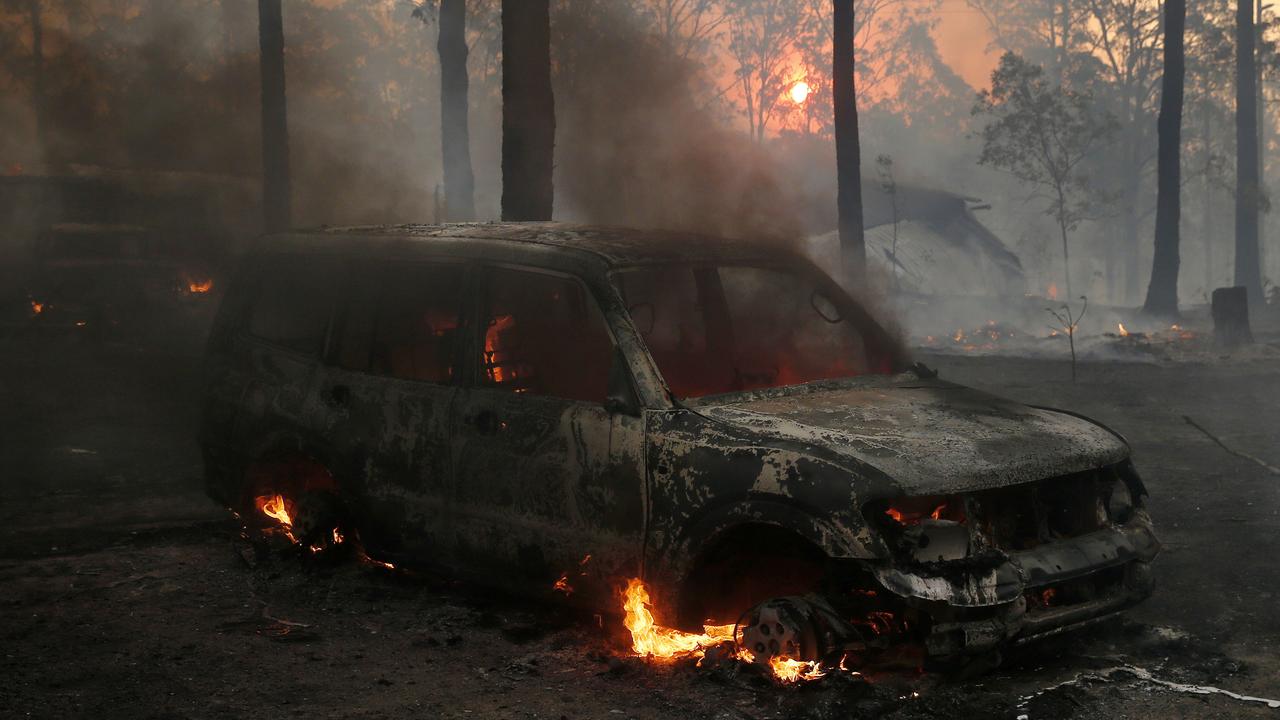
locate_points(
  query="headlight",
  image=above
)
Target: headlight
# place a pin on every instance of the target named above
(1119, 502)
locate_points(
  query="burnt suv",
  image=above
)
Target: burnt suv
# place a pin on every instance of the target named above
(557, 408)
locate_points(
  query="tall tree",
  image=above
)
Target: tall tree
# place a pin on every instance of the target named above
(276, 184)
(459, 180)
(528, 111)
(763, 38)
(853, 247)
(1162, 293)
(1248, 273)
(38, 102)
(1042, 133)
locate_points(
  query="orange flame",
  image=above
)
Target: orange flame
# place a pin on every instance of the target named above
(562, 585)
(273, 506)
(1123, 332)
(1052, 292)
(789, 671)
(494, 355)
(648, 639)
(37, 307)
(199, 287)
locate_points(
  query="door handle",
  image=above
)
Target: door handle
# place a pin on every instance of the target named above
(339, 395)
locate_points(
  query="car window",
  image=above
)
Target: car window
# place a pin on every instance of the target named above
(402, 321)
(292, 305)
(543, 335)
(715, 330)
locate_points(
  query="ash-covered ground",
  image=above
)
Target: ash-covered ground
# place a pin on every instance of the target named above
(125, 593)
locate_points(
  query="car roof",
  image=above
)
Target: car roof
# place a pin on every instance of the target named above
(616, 247)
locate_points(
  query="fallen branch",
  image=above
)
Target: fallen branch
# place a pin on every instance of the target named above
(1251, 458)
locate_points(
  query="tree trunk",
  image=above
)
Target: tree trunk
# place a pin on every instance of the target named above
(37, 78)
(1247, 273)
(528, 111)
(276, 190)
(1162, 293)
(1210, 233)
(853, 250)
(1066, 248)
(1262, 144)
(459, 181)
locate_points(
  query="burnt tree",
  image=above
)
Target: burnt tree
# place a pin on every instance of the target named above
(1162, 293)
(853, 250)
(528, 111)
(37, 76)
(459, 180)
(276, 190)
(1248, 274)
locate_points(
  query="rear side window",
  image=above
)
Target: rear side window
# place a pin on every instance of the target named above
(293, 303)
(403, 322)
(544, 335)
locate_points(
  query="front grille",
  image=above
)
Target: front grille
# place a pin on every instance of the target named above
(1094, 586)
(1026, 516)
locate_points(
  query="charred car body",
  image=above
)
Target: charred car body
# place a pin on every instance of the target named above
(546, 405)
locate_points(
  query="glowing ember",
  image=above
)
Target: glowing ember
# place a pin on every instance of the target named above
(337, 536)
(199, 287)
(648, 639)
(37, 307)
(800, 92)
(789, 671)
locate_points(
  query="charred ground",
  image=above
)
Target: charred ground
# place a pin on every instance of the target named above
(127, 594)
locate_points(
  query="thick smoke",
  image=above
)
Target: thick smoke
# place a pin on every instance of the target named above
(639, 145)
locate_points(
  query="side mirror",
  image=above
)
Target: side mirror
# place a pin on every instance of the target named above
(621, 397)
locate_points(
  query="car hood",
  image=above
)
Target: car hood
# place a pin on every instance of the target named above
(929, 436)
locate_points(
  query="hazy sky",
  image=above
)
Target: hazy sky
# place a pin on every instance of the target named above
(963, 41)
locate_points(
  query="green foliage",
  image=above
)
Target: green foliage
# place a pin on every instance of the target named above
(1043, 133)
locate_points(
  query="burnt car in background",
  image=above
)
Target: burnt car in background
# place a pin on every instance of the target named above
(534, 403)
(111, 280)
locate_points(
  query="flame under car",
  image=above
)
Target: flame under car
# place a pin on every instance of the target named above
(557, 409)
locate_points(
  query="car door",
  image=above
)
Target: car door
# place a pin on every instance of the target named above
(389, 392)
(549, 483)
(278, 351)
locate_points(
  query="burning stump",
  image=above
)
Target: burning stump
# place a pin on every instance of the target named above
(1231, 317)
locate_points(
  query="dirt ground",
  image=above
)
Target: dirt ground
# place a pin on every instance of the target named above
(124, 592)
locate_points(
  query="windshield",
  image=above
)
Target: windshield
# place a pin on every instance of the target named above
(725, 329)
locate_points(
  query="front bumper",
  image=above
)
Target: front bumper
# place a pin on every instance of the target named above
(1056, 587)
